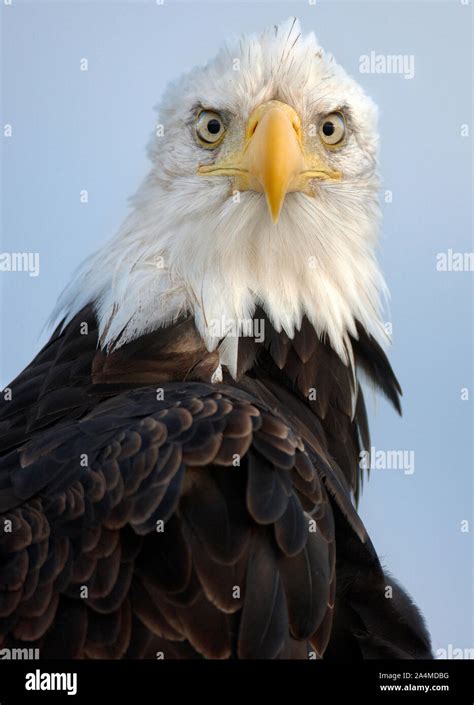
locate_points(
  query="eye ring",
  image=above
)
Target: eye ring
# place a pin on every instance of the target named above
(210, 129)
(332, 129)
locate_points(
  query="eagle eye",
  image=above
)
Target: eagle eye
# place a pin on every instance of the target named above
(209, 128)
(332, 129)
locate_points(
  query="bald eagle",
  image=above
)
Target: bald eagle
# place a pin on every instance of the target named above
(179, 465)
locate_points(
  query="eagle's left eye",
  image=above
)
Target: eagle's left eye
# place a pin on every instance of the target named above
(209, 128)
(332, 129)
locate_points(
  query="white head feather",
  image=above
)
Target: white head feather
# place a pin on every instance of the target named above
(189, 248)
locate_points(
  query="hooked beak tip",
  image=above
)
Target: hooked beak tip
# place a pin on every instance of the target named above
(274, 213)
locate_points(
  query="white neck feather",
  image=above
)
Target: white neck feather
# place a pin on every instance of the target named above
(217, 261)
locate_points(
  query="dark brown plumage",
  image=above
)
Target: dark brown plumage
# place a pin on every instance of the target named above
(262, 554)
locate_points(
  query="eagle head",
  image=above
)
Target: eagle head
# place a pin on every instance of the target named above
(262, 192)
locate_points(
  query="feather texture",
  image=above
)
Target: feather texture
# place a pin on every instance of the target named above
(209, 520)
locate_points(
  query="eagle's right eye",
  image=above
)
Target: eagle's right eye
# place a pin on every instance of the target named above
(209, 128)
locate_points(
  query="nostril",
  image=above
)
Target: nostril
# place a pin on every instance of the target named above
(254, 127)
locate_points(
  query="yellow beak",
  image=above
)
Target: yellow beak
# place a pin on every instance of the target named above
(272, 161)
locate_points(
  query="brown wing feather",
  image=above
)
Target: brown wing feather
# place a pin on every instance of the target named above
(200, 521)
(132, 480)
